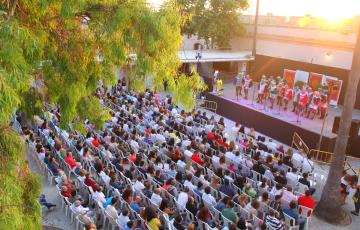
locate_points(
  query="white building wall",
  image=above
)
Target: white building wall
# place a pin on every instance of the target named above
(315, 55)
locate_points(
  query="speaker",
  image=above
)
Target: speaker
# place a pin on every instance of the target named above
(353, 146)
(354, 129)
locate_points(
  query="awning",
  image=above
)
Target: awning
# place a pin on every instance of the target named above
(189, 56)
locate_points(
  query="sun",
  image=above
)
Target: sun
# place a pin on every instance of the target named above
(333, 10)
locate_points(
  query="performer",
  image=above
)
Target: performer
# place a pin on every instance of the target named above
(247, 85)
(310, 95)
(302, 101)
(238, 82)
(281, 90)
(295, 98)
(273, 93)
(216, 73)
(262, 88)
(323, 106)
(219, 85)
(314, 105)
(288, 96)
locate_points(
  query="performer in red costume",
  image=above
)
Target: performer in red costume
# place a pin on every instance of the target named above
(288, 95)
(262, 89)
(314, 105)
(323, 106)
(302, 101)
(281, 95)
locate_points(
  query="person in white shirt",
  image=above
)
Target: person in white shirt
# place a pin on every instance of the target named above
(207, 197)
(297, 159)
(234, 131)
(138, 185)
(134, 145)
(183, 198)
(99, 195)
(104, 176)
(155, 197)
(123, 218)
(187, 152)
(107, 152)
(78, 209)
(288, 195)
(308, 165)
(41, 154)
(186, 142)
(271, 144)
(188, 182)
(292, 177)
(180, 164)
(230, 155)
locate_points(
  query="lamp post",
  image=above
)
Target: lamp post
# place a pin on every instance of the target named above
(198, 57)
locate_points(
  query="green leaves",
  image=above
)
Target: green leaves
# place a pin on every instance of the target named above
(216, 21)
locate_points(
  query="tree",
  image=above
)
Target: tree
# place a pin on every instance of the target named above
(57, 51)
(215, 21)
(329, 207)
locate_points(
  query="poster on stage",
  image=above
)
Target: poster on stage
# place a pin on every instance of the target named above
(289, 77)
(315, 80)
(334, 85)
(301, 77)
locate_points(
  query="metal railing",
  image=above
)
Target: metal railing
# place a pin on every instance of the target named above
(321, 156)
(206, 104)
(299, 143)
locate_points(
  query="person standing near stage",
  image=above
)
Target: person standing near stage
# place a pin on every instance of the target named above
(238, 82)
(247, 85)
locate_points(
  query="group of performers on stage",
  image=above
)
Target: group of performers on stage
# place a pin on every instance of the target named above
(306, 101)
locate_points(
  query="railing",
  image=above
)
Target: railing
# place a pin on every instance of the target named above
(210, 105)
(299, 143)
(321, 156)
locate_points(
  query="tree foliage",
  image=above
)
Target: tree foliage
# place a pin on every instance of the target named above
(215, 21)
(57, 51)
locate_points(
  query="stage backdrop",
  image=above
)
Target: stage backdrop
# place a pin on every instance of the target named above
(315, 80)
(289, 76)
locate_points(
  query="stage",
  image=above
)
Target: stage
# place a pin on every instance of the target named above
(275, 123)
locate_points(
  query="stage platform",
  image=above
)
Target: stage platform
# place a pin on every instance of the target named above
(280, 125)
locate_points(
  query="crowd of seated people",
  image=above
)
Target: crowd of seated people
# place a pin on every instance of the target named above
(168, 169)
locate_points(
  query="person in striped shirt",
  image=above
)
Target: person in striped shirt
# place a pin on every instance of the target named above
(273, 222)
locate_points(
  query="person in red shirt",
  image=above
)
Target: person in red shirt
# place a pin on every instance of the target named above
(65, 192)
(70, 160)
(211, 136)
(90, 182)
(95, 142)
(307, 200)
(196, 158)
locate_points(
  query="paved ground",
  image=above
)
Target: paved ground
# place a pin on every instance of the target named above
(54, 218)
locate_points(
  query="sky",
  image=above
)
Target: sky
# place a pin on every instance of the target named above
(329, 9)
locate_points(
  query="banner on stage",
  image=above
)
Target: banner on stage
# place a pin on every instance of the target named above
(315, 80)
(289, 77)
(334, 85)
(301, 76)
